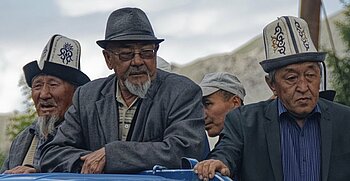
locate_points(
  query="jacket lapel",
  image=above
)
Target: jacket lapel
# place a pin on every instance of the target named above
(326, 140)
(108, 115)
(146, 105)
(272, 132)
(140, 122)
(22, 150)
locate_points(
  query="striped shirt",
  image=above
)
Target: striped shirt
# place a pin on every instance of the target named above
(300, 146)
(126, 114)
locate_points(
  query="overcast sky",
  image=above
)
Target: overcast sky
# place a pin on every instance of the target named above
(191, 28)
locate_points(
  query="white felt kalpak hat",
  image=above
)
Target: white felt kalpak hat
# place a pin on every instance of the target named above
(287, 41)
(60, 58)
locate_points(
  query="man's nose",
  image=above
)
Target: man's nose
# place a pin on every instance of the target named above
(137, 60)
(45, 92)
(302, 84)
(205, 114)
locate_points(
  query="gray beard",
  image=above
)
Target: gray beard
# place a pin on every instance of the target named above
(47, 125)
(139, 90)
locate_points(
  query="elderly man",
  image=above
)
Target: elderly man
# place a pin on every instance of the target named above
(222, 92)
(297, 136)
(134, 119)
(53, 81)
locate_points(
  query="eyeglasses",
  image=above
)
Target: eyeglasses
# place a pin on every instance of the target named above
(129, 55)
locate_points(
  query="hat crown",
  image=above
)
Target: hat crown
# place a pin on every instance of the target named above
(224, 81)
(285, 36)
(60, 58)
(61, 50)
(128, 24)
(128, 21)
(287, 41)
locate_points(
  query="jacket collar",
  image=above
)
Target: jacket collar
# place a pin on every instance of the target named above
(272, 132)
(326, 138)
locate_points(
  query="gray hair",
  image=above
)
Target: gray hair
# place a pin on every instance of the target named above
(47, 125)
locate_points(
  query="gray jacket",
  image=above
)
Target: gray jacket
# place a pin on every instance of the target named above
(169, 125)
(250, 142)
(19, 148)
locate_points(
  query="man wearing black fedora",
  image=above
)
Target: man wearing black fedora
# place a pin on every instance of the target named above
(297, 136)
(53, 81)
(134, 119)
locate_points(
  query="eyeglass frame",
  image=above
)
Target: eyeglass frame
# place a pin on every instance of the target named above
(154, 51)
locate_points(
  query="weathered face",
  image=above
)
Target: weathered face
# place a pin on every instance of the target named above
(215, 110)
(51, 95)
(132, 62)
(297, 86)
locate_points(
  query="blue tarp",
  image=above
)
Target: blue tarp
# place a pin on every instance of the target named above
(158, 173)
(163, 175)
(80, 177)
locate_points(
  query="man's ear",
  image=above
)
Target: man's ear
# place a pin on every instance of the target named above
(108, 59)
(271, 84)
(235, 101)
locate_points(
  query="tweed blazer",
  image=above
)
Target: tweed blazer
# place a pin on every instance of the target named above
(169, 125)
(19, 148)
(250, 142)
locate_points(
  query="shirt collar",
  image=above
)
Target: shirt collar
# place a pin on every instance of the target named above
(118, 94)
(119, 97)
(34, 128)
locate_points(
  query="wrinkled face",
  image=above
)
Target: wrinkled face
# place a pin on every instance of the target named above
(132, 62)
(215, 110)
(297, 86)
(51, 95)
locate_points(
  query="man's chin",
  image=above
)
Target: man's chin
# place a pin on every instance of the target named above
(47, 124)
(47, 113)
(212, 133)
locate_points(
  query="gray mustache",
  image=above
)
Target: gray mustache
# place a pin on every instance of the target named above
(137, 70)
(47, 103)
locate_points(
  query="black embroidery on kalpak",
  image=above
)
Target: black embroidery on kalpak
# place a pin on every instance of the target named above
(302, 35)
(66, 53)
(278, 43)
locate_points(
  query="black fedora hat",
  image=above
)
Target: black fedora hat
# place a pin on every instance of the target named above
(128, 24)
(287, 41)
(60, 58)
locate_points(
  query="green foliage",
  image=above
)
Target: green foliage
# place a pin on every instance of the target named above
(2, 158)
(20, 121)
(340, 67)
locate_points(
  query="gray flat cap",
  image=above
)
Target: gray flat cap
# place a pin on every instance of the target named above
(213, 82)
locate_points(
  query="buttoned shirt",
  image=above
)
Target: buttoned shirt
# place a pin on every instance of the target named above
(126, 114)
(300, 146)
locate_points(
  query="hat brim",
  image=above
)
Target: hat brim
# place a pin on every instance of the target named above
(66, 73)
(276, 63)
(206, 91)
(127, 38)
